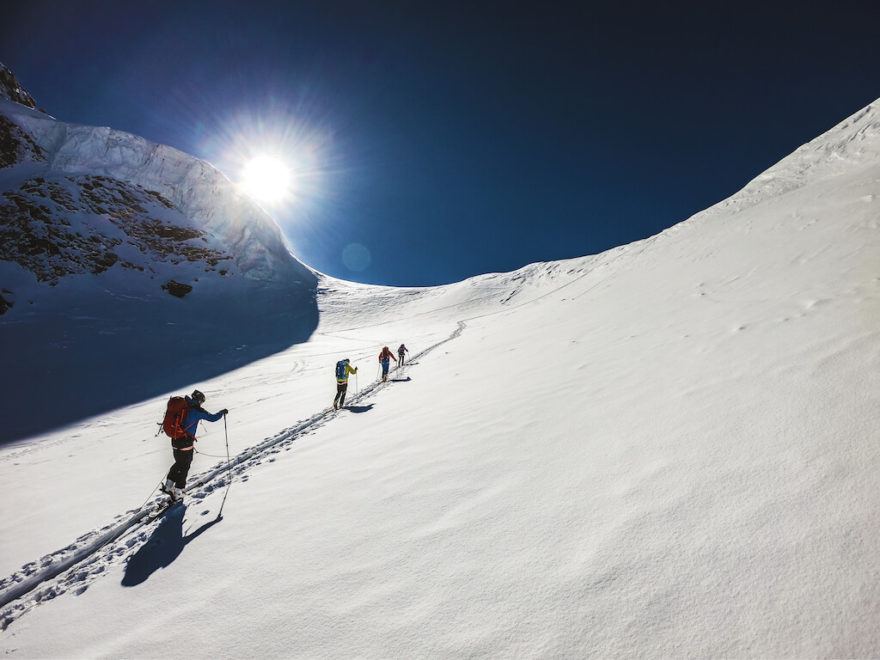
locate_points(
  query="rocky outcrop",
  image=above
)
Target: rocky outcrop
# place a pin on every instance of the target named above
(11, 89)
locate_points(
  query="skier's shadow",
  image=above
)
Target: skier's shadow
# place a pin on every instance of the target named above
(360, 409)
(401, 379)
(163, 547)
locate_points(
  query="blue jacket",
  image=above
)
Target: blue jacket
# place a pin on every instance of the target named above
(194, 415)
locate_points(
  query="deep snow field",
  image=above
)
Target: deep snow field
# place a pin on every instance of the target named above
(669, 449)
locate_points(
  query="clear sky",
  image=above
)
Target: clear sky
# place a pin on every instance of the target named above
(430, 142)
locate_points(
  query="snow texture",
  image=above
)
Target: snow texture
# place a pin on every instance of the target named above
(668, 449)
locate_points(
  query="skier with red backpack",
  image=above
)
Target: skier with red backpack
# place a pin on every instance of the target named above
(384, 359)
(181, 421)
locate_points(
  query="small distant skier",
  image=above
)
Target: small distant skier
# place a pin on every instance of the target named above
(385, 358)
(400, 352)
(184, 442)
(343, 369)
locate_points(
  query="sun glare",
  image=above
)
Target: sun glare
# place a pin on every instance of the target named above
(266, 179)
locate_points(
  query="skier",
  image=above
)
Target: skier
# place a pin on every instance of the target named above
(343, 369)
(400, 351)
(384, 357)
(183, 445)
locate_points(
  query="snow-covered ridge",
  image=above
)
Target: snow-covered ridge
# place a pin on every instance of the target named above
(198, 191)
(851, 144)
(851, 149)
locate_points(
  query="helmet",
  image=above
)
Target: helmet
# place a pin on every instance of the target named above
(198, 397)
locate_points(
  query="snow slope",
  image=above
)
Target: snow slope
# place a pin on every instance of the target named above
(666, 450)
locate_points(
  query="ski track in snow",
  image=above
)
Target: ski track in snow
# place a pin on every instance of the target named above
(76, 566)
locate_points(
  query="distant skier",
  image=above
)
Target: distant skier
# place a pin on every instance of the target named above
(384, 359)
(181, 422)
(343, 369)
(400, 352)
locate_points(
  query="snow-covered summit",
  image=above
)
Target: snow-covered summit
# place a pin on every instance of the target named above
(98, 228)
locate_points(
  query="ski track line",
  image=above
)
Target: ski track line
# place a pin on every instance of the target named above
(85, 549)
(83, 554)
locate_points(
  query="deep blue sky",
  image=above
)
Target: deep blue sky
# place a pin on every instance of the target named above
(452, 139)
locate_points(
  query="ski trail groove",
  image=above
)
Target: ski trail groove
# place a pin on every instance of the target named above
(83, 553)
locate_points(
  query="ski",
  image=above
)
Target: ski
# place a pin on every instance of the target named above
(162, 508)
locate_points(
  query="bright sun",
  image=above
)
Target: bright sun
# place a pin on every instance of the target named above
(266, 179)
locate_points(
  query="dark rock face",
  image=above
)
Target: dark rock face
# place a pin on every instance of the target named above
(7, 301)
(11, 89)
(16, 146)
(176, 288)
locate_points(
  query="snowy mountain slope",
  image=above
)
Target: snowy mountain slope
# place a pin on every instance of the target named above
(102, 232)
(668, 449)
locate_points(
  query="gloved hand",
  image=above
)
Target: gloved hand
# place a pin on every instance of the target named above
(224, 411)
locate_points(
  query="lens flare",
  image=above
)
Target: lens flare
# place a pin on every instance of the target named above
(356, 257)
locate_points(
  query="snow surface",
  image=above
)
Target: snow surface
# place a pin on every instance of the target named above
(666, 450)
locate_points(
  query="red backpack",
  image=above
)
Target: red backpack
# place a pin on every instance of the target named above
(174, 414)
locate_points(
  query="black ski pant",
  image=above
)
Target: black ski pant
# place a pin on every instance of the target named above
(183, 458)
(401, 358)
(341, 389)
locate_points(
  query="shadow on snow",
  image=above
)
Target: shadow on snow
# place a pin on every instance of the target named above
(359, 409)
(96, 357)
(163, 547)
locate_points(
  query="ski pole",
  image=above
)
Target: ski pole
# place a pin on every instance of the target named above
(228, 463)
(228, 468)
